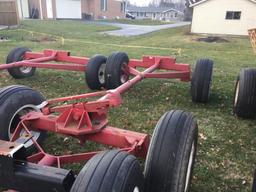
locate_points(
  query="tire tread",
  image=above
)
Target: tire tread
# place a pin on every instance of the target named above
(201, 80)
(246, 101)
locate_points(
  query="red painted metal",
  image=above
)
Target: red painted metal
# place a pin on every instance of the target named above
(73, 63)
(23, 63)
(85, 115)
(132, 142)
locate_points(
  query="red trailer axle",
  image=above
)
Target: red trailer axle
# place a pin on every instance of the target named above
(38, 60)
(84, 117)
(83, 120)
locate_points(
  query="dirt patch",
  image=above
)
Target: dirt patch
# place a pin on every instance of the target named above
(212, 39)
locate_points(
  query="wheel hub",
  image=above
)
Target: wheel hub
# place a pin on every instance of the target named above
(124, 74)
(101, 73)
(15, 121)
(26, 69)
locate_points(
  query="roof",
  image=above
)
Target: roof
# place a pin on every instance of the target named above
(151, 9)
(197, 2)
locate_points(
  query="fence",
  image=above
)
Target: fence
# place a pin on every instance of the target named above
(9, 13)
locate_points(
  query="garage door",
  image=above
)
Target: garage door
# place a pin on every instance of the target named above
(68, 9)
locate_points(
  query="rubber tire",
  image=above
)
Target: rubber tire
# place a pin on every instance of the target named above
(15, 55)
(254, 183)
(13, 98)
(245, 106)
(169, 152)
(113, 69)
(110, 171)
(201, 81)
(91, 73)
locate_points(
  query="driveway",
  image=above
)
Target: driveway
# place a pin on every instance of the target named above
(133, 30)
(3, 27)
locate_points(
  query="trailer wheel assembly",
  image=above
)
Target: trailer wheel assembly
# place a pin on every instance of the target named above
(201, 81)
(110, 171)
(15, 102)
(25, 118)
(171, 154)
(17, 54)
(245, 94)
(116, 70)
(95, 72)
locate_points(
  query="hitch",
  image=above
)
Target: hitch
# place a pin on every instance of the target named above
(17, 174)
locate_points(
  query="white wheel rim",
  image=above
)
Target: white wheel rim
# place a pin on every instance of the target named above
(101, 73)
(21, 112)
(209, 93)
(124, 77)
(136, 189)
(237, 93)
(189, 168)
(25, 69)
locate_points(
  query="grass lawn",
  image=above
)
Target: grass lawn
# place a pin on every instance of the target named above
(227, 145)
(139, 21)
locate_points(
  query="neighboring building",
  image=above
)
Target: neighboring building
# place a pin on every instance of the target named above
(232, 17)
(23, 8)
(9, 13)
(72, 9)
(155, 13)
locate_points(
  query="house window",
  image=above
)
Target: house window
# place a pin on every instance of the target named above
(103, 5)
(233, 15)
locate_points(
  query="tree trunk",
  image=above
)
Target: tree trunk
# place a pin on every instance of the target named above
(188, 12)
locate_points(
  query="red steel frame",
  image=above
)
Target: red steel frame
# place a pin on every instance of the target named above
(85, 116)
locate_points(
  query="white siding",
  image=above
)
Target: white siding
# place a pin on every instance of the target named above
(23, 9)
(49, 9)
(210, 17)
(69, 9)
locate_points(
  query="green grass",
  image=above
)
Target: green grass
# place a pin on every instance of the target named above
(227, 145)
(138, 21)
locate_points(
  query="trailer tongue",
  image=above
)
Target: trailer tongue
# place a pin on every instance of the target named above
(18, 174)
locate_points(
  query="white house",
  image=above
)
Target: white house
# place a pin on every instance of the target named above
(71, 9)
(156, 13)
(232, 17)
(23, 8)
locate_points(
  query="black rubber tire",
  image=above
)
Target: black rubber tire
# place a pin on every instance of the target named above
(92, 72)
(254, 182)
(245, 94)
(169, 153)
(201, 81)
(114, 66)
(12, 98)
(111, 171)
(17, 54)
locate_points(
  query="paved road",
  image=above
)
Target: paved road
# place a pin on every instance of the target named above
(133, 30)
